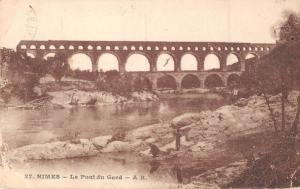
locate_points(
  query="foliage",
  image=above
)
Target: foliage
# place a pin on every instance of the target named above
(277, 73)
(248, 81)
(84, 74)
(113, 81)
(26, 73)
(59, 66)
(141, 83)
(166, 82)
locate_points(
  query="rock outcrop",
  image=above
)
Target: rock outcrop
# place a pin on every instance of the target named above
(69, 98)
(54, 150)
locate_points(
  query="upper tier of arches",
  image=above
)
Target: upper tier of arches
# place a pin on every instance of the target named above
(157, 56)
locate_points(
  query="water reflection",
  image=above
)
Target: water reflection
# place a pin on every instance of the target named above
(174, 169)
(154, 165)
(106, 164)
(178, 173)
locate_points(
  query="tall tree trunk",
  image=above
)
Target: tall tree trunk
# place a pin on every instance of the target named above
(1, 65)
(293, 145)
(292, 175)
(283, 94)
(271, 112)
(296, 120)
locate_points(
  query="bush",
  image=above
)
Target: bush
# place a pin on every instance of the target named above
(112, 81)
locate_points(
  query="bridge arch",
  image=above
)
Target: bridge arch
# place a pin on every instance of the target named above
(213, 80)
(108, 61)
(48, 55)
(165, 62)
(42, 47)
(212, 62)
(233, 80)
(32, 47)
(189, 62)
(31, 55)
(71, 47)
(80, 61)
(166, 82)
(233, 62)
(251, 60)
(251, 55)
(52, 47)
(61, 47)
(137, 62)
(190, 81)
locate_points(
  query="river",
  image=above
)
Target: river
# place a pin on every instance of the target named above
(23, 127)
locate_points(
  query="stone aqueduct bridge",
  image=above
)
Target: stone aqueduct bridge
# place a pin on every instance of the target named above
(151, 50)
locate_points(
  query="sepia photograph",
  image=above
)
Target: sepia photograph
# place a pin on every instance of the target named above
(149, 94)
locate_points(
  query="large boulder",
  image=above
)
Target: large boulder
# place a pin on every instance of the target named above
(185, 119)
(144, 96)
(101, 141)
(54, 150)
(155, 131)
(105, 97)
(84, 97)
(241, 102)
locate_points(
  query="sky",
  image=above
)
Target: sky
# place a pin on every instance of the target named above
(150, 20)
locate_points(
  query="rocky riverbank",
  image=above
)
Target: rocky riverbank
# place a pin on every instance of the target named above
(70, 98)
(81, 92)
(203, 133)
(68, 93)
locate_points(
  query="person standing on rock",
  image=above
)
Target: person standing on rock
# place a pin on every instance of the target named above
(154, 150)
(235, 92)
(177, 138)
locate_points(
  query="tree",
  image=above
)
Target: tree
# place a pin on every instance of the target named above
(26, 72)
(138, 83)
(39, 66)
(278, 73)
(17, 62)
(59, 66)
(5, 55)
(114, 82)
